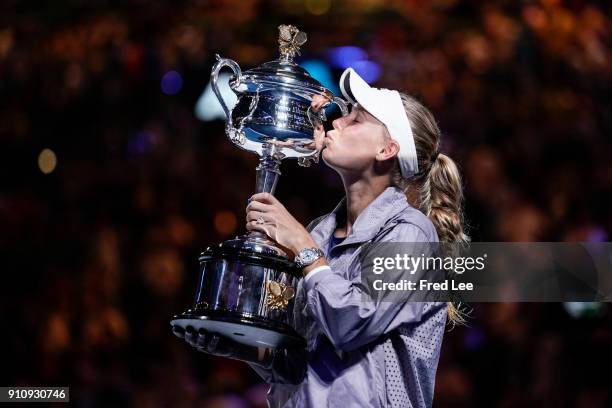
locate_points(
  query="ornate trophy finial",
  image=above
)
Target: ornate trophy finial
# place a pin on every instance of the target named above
(290, 39)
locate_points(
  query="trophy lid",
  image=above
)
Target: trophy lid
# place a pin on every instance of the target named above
(283, 72)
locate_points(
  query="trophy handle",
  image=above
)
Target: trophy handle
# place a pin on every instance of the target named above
(214, 77)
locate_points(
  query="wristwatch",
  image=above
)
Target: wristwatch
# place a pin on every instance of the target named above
(307, 256)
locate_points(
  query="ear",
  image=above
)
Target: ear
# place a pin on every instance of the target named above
(388, 151)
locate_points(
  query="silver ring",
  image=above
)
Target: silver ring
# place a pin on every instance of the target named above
(260, 221)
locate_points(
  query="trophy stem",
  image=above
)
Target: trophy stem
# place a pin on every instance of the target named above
(268, 169)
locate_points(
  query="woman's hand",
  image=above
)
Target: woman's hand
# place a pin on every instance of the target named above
(218, 345)
(266, 214)
(318, 102)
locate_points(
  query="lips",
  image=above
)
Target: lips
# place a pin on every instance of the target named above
(326, 141)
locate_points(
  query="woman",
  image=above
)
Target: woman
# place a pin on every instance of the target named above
(360, 353)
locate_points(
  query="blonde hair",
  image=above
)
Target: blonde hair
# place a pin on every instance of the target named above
(438, 184)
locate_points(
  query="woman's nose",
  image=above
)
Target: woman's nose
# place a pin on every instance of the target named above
(338, 124)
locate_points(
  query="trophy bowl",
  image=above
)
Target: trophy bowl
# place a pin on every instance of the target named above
(247, 285)
(274, 102)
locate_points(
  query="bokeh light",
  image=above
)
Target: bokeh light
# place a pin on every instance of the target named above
(225, 222)
(47, 161)
(208, 106)
(142, 143)
(320, 71)
(346, 56)
(171, 83)
(369, 70)
(317, 7)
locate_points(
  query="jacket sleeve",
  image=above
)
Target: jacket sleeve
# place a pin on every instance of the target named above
(285, 366)
(345, 311)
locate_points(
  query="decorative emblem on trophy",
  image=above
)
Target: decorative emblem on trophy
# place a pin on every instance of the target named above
(247, 284)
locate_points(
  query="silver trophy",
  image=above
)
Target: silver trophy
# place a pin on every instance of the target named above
(247, 284)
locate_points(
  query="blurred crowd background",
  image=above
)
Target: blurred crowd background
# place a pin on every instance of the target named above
(114, 178)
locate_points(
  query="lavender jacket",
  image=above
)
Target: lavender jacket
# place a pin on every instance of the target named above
(360, 353)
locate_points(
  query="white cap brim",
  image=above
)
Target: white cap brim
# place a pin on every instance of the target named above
(385, 105)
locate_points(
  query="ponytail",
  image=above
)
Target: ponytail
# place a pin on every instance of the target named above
(439, 187)
(441, 199)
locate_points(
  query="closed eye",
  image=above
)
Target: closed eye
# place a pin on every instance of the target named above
(359, 117)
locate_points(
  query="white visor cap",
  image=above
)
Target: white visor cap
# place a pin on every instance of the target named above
(385, 105)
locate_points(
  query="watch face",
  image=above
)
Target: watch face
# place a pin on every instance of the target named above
(309, 255)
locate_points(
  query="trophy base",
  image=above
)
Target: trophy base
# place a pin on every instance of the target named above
(241, 329)
(246, 292)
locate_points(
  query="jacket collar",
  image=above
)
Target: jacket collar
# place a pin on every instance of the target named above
(371, 220)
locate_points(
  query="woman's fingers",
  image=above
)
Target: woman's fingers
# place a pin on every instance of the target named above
(319, 137)
(265, 198)
(212, 343)
(208, 342)
(254, 226)
(203, 336)
(318, 101)
(178, 331)
(255, 216)
(198, 339)
(191, 336)
(258, 210)
(258, 206)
